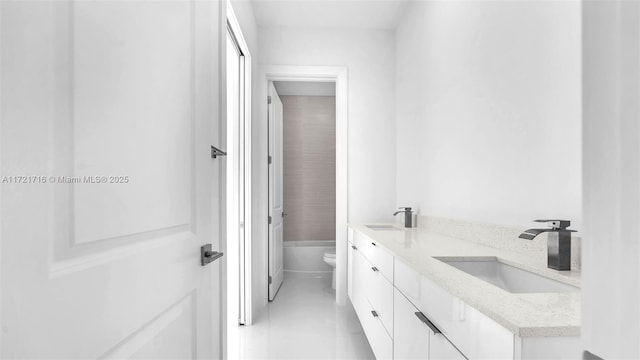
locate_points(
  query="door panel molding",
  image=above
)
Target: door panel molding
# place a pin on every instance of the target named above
(85, 233)
(134, 342)
(94, 258)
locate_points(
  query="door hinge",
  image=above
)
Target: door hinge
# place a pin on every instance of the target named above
(268, 100)
(269, 220)
(270, 280)
(270, 159)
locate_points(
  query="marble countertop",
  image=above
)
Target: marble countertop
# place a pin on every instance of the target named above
(524, 314)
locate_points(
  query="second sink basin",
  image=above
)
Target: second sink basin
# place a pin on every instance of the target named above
(507, 277)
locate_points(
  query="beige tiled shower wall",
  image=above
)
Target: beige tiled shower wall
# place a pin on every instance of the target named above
(309, 167)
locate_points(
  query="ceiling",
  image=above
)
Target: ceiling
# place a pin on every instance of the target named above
(305, 88)
(354, 14)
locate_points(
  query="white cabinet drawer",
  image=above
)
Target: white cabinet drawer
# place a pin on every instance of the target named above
(380, 296)
(410, 335)
(473, 333)
(441, 349)
(413, 339)
(376, 254)
(379, 340)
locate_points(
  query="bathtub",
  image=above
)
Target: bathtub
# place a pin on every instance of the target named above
(306, 256)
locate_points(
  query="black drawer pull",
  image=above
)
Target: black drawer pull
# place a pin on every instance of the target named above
(374, 244)
(354, 247)
(374, 313)
(424, 319)
(374, 268)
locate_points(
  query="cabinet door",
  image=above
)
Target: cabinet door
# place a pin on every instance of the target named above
(380, 296)
(359, 287)
(410, 335)
(413, 339)
(379, 339)
(441, 349)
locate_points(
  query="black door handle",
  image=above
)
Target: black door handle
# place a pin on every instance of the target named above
(207, 255)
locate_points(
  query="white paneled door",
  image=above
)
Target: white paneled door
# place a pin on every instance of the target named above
(109, 191)
(276, 199)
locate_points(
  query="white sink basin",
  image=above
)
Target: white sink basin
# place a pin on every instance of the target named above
(509, 278)
(383, 227)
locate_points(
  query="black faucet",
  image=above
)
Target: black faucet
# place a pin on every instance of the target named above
(407, 216)
(558, 243)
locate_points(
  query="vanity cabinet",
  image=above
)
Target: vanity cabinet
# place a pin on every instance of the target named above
(414, 337)
(405, 315)
(473, 333)
(386, 293)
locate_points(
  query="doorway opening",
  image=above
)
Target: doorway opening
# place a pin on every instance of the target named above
(302, 182)
(279, 203)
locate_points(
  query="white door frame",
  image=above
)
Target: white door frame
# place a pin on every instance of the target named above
(240, 257)
(337, 74)
(1, 176)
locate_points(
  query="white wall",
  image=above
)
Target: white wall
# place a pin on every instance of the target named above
(488, 110)
(369, 58)
(611, 271)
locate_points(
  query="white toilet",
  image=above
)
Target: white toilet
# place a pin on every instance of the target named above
(330, 258)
